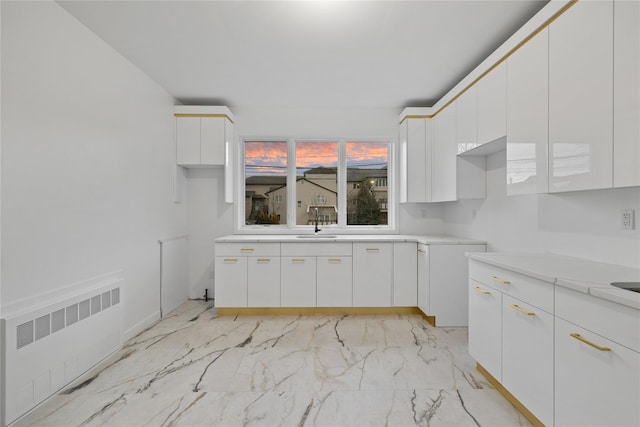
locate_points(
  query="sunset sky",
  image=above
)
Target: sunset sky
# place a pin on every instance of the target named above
(269, 158)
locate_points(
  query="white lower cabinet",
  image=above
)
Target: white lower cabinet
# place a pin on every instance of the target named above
(527, 356)
(405, 274)
(231, 281)
(372, 274)
(263, 282)
(448, 273)
(574, 363)
(423, 278)
(298, 281)
(597, 381)
(485, 327)
(334, 281)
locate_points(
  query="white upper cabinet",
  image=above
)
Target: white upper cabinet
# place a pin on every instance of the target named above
(528, 117)
(467, 120)
(443, 162)
(580, 98)
(626, 96)
(419, 137)
(492, 105)
(203, 135)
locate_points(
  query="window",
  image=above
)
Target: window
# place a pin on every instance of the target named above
(367, 169)
(342, 183)
(265, 178)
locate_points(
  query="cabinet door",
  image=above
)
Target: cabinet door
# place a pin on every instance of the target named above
(626, 97)
(188, 140)
(528, 118)
(298, 287)
(263, 282)
(448, 277)
(423, 278)
(580, 98)
(492, 105)
(594, 387)
(467, 120)
(485, 327)
(334, 283)
(212, 140)
(527, 356)
(419, 142)
(443, 163)
(372, 274)
(231, 281)
(405, 274)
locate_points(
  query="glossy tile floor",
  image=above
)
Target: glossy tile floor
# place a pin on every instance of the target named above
(196, 369)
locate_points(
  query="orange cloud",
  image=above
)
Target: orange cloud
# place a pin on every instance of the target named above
(270, 157)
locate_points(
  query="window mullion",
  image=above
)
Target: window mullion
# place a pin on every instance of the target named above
(291, 183)
(342, 183)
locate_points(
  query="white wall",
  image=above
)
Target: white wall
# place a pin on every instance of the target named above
(210, 217)
(87, 163)
(583, 224)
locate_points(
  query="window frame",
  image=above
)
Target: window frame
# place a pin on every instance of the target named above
(290, 227)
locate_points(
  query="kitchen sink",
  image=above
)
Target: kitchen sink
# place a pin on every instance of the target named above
(631, 286)
(316, 236)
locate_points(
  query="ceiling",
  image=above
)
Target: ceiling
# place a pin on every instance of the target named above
(343, 54)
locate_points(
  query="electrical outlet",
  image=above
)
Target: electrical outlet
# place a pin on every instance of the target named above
(627, 219)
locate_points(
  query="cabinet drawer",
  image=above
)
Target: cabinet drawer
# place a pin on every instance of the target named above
(316, 249)
(617, 322)
(248, 249)
(532, 291)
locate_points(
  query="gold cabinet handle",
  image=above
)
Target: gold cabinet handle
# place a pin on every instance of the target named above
(335, 260)
(482, 291)
(592, 344)
(246, 249)
(264, 259)
(373, 250)
(499, 280)
(522, 310)
(297, 260)
(231, 260)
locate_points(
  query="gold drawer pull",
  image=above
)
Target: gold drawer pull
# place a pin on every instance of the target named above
(373, 249)
(246, 249)
(297, 260)
(499, 280)
(522, 310)
(264, 259)
(231, 260)
(335, 260)
(482, 291)
(592, 344)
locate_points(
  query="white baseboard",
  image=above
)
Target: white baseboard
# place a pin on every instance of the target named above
(141, 326)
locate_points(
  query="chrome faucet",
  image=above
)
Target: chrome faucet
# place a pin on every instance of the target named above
(317, 229)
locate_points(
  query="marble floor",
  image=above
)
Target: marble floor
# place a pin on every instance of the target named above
(196, 369)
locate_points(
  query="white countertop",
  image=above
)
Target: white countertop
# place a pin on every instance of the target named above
(579, 274)
(291, 238)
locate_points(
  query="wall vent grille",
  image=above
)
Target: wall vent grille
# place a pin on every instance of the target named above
(24, 333)
(53, 322)
(115, 296)
(72, 314)
(43, 326)
(85, 309)
(57, 320)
